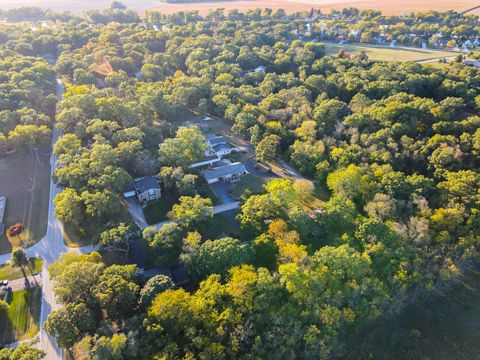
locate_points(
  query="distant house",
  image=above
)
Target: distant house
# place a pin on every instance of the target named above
(260, 69)
(472, 62)
(218, 146)
(225, 173)
(202, 127)
(146, 189)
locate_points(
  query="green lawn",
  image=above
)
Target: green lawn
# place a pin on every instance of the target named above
(157, 211)
(186, 116)
(389, 54)
(76, 237)
(250, 182)
(24, 181)
(8, 272)
(223, 224)
(205, 191)
(23, 315)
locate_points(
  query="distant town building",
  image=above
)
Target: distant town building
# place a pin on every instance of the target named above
(472, 62)
(225, 173)
(146, 189)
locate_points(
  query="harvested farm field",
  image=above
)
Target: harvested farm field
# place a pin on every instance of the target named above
(389, 7)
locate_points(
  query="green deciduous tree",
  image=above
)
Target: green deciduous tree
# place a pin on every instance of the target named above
(218, 256)
(187, 147)
(192, 211)
(153, 287)
(267, 149)
(166, 244)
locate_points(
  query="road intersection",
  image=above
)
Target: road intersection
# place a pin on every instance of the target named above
(49, 248)
(52, 245)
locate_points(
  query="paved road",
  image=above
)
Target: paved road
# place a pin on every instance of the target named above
(49, 249)
(21, 283)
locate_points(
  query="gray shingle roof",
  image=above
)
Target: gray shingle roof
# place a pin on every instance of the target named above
(146, 183)
(230, 169)
(216, 140)
(220, 147)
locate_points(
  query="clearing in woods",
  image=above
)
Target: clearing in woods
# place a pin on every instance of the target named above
(24, 181)
(389, 54)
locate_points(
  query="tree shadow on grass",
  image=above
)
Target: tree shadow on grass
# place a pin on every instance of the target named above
(7, 331)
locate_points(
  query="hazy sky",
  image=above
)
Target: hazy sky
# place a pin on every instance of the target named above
(76, 5)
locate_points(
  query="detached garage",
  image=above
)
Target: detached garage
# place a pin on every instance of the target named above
(129, 191)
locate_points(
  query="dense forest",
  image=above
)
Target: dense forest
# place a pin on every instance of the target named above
(395, 146)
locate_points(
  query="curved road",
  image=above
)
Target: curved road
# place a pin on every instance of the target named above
(49, 248)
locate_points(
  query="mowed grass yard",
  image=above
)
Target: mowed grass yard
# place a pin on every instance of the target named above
(389, 54)
(24, 181)
(251, 183)
(8, 272)
(23, 315)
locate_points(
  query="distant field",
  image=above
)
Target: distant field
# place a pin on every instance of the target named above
(389, 7)
(386, 6)
(389, 54)
(24, 181)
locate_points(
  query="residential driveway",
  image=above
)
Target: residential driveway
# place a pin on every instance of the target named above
(136, 212)
(22, 283)
(290, 170)
(222, 192)
(250, 166)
